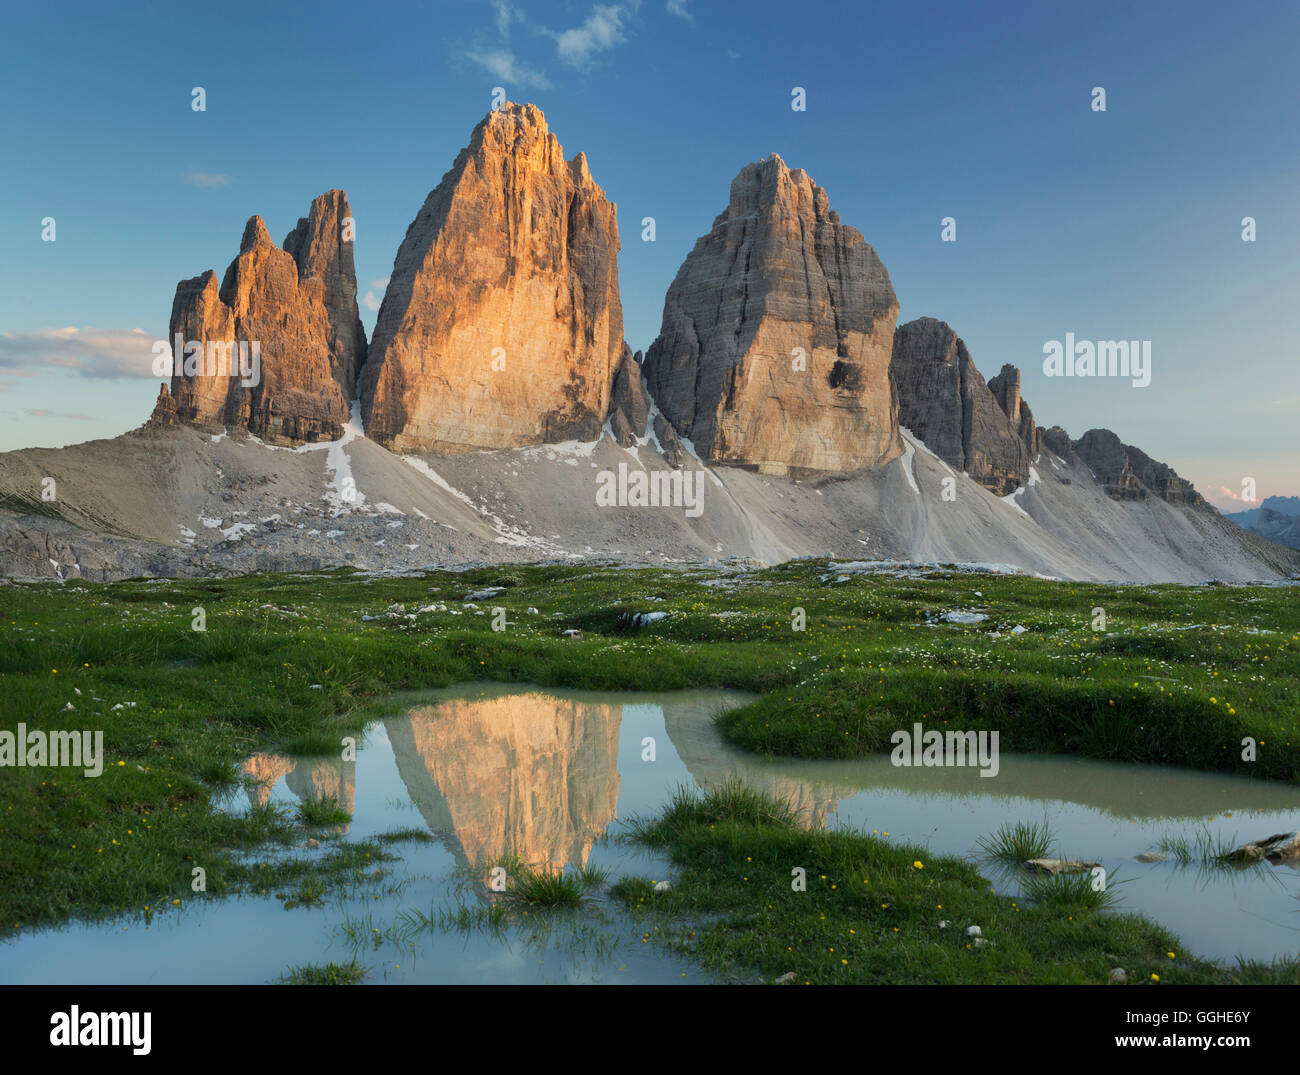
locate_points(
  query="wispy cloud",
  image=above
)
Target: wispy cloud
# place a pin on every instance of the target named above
(504, 66)
(108, 354)
(506, 13)
(602, 30)
(206, 180)
(40, 413)
(678, 8)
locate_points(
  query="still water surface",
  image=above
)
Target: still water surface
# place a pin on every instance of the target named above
(499, 770)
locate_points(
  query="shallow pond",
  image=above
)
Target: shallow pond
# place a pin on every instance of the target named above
(494, 770)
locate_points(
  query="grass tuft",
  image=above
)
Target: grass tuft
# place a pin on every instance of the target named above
(350, 973)
(1016, 843)
(323, 811)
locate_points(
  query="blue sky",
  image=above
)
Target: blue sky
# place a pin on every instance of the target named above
(1123, 224)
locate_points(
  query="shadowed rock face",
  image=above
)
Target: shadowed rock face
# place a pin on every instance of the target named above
(943, 399)
(776, 336)
(1128, 473)
(528, 775)
(502, 325)
(299, 305)
(629, 405)
(1006, 390)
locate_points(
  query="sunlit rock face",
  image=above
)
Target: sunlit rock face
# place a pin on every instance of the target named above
(777, 332)
(264, 772)
(310, 779)
(526, 775)
(299, 306)
(502, 325)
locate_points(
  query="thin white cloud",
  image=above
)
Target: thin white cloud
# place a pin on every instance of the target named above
(108, 354)
(41, 413)
(502, 65)
(370, 300)
(601, 32)
(678, 8)
(506, 13)
(206, 180)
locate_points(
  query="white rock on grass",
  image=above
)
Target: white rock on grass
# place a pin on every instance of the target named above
(961, 616)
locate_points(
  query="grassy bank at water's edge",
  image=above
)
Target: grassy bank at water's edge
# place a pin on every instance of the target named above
(1179, 675)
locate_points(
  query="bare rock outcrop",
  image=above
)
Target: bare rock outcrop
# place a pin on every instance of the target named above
(316, 246)
(629, 404)
(278, 342)
(669, 443)
(1006, 390)
(502, 325)
(1057, 441)
(1128, 473)
(943, 399)
(776, 335)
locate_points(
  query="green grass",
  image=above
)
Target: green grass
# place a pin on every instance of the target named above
(1017, 843)
(1203, 847)
(878, 912)
(323, 811)
(539, 886)
(1180, 676)
(1073, 891)
(350, 973)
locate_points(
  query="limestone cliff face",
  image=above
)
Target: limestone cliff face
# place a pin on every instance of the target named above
(1006, 390)
(528, 774)
(776, 336)
(1128, 473)
(502, 325)
(298, 306)
(943, 400)
(629, 404)
(322, 255)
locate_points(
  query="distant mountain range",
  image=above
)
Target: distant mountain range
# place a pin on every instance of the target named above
(1277, 518)
(498, 414)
